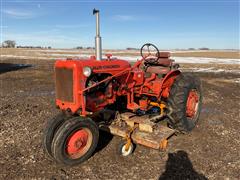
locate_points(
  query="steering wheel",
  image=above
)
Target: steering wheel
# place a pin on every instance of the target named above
(150, 53)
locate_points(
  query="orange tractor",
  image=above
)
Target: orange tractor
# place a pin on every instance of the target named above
(145, 103)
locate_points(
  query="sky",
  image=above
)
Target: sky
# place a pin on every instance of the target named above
(170, 24)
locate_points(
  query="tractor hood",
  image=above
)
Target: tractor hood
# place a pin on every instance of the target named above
(70, 78)
(111, 66)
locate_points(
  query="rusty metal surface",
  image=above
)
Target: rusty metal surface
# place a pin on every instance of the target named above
(120, 126)
(152, 140)
(144, 122)
(64, 84)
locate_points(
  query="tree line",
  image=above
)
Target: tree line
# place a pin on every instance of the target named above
(12, 44)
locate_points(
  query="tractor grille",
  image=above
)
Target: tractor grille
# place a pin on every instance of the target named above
(64, 84)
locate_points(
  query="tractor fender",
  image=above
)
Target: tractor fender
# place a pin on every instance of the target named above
(167, 82)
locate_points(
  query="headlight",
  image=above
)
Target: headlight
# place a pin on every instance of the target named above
(87, 71)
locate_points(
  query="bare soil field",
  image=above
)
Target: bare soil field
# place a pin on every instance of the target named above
(210, 151)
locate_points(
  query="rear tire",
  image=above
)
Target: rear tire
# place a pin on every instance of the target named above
(185, 109)
(49, 131)
(75, 141)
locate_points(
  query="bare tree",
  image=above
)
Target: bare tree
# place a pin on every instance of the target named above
(9, 44)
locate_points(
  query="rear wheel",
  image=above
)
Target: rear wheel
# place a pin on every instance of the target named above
(185, 101)
(75, 141)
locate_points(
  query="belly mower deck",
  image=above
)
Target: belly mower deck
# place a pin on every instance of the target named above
(140, 130)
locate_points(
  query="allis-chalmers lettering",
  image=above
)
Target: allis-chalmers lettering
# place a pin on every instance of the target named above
(106, 67)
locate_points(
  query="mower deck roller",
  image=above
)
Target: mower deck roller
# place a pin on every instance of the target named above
(146, 133)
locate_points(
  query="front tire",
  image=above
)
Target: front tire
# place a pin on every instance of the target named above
(185, 101)
(49, 131)
(75, 141)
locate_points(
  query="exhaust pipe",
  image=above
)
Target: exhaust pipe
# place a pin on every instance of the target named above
(98, 40)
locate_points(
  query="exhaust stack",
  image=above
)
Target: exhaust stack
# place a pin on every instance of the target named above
(98, 40)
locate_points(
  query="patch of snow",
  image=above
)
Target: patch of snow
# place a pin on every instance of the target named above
(193, 60)
(237, 80)
(68, 55)
(190, 51)
(211, 69)
(128, 58)
(201, 60)
(54, 50)
(23, 57)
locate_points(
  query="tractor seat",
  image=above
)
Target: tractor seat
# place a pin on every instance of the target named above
(162, 66)
(163, 60)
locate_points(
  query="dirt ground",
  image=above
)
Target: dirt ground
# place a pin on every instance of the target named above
(210, 151)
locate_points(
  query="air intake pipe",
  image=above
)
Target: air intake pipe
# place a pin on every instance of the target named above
(98, 40)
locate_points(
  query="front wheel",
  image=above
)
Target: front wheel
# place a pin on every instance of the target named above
(49, 131)
(185, 101)
(75, 141)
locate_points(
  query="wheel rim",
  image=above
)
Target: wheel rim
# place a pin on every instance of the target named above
(124, 152)
(192, 104)
(79, 143)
